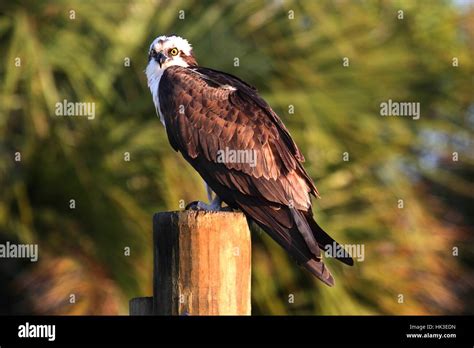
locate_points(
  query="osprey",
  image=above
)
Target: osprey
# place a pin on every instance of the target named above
(206, 112)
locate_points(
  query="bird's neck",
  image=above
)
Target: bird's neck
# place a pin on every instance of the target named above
(154, 74)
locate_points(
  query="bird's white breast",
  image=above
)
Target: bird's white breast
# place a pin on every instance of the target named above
(154, 74)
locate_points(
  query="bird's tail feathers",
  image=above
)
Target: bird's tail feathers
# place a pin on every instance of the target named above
(320, 270)
(278, 225)
(325, 241)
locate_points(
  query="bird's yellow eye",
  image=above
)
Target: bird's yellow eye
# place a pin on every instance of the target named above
(174, 51)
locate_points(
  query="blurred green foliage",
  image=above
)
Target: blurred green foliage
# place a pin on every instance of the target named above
(296, 62)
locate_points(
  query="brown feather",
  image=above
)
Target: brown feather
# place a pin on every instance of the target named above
(275, 193)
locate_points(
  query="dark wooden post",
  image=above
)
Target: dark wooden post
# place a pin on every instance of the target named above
(141, 306)
(202, 264)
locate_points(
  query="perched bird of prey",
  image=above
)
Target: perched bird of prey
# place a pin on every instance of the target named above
(205, 112)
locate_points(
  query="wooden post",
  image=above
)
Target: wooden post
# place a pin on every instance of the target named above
(141, 306)
(201, 263)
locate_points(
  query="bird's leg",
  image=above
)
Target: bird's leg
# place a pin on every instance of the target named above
(214, 204)
(198, 205)
(209, 192)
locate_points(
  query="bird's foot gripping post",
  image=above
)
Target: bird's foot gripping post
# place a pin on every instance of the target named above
(214, 205)
(202, 265)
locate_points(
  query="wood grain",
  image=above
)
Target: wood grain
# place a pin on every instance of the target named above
(202, 263)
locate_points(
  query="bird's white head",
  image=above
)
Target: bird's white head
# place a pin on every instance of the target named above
(166, 51)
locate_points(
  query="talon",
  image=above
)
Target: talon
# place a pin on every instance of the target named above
(198, 205)
(192, 206)
(214, 206)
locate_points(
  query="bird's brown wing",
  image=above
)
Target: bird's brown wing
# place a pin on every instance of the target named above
(206, 112)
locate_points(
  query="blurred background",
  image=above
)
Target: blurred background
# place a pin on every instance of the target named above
(293, 52)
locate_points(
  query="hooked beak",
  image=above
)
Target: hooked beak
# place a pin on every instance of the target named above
(160, 58)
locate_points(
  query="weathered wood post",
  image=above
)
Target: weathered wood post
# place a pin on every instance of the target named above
(202, 264)
(141, 306)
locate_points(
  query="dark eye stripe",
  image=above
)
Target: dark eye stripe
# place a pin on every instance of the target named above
(151, 54)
